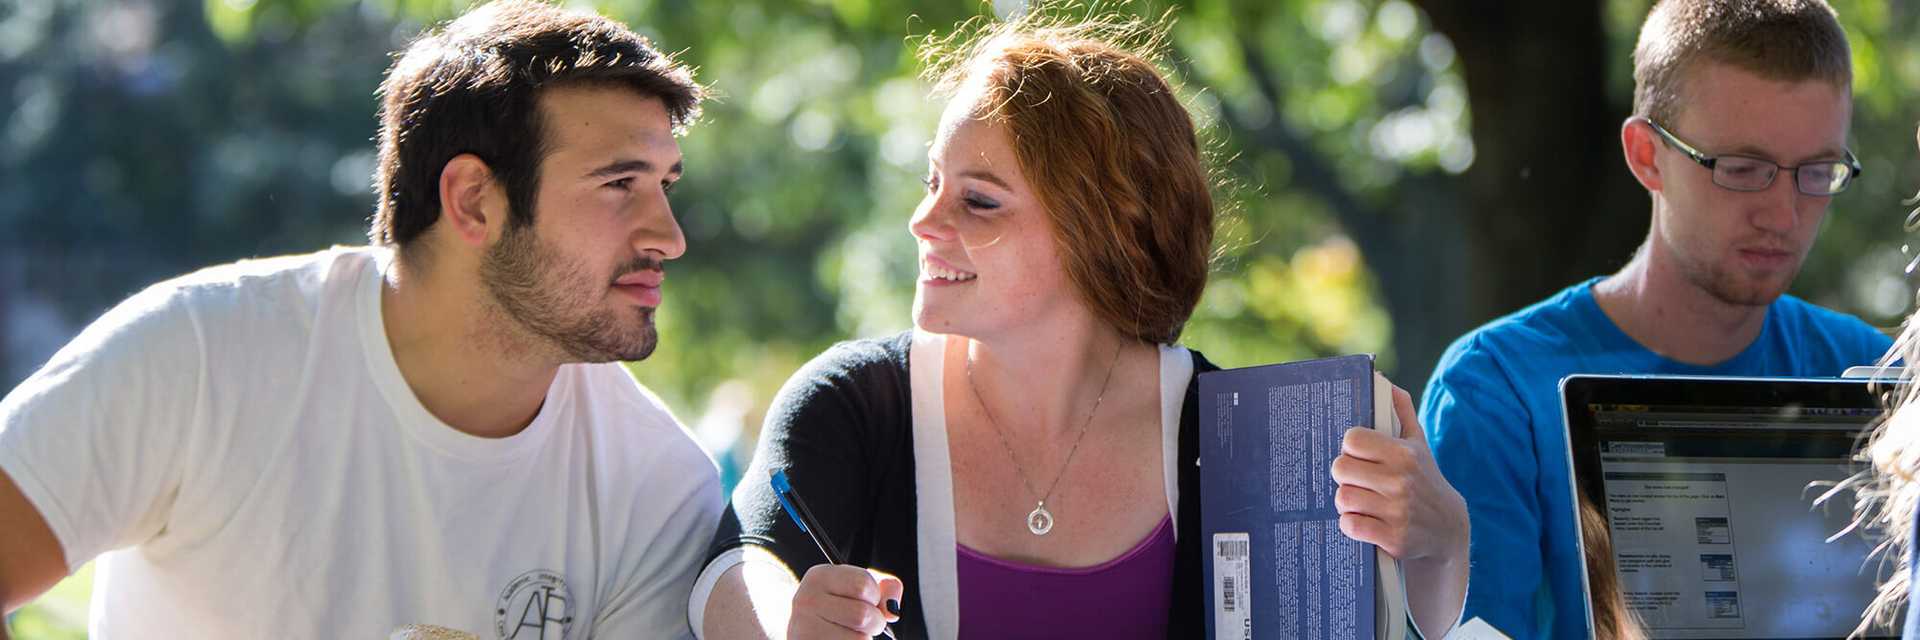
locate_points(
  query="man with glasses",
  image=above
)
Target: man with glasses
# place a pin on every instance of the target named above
(1739, 132)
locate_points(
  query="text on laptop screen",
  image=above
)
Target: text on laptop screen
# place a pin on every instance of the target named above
(1710, 509)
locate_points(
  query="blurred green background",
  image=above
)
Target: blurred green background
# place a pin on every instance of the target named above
(1398, 171)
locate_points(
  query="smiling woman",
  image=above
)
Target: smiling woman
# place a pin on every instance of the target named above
(1102, 152)
(1022, 464)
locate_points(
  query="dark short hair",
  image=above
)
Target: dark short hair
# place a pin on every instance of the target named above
(473, 86)
(1784, 40)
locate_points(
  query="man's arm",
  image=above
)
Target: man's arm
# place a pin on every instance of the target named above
(1481, 436)
(91, 444)
(30, 557)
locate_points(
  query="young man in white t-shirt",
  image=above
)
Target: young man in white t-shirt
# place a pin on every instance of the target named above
(428, 431)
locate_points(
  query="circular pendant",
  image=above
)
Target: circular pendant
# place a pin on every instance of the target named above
(1040, 520)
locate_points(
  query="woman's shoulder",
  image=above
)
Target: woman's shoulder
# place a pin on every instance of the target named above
(862, 358)
(1200, 362)
(861, 376)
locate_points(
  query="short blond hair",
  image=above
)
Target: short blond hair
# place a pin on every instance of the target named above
(1887, 494)
(1786, 40)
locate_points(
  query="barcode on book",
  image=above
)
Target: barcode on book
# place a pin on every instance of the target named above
(1226, 601)
(1232, 569)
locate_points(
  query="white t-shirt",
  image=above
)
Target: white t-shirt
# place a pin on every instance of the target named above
(239, 449)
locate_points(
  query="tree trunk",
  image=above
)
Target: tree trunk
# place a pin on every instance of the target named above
(1550, 202)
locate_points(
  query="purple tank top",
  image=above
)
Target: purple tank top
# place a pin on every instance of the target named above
(1126, 597)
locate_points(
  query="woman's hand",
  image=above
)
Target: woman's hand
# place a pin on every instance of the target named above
(1392, 495)
(844, 601)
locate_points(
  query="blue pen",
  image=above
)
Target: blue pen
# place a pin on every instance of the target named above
(796, 508)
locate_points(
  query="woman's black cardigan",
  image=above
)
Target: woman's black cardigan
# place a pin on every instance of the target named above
(842, 429)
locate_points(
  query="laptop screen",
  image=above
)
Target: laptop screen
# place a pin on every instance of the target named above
(1706, 491)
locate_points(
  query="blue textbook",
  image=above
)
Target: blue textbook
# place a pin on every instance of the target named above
(1278, 565)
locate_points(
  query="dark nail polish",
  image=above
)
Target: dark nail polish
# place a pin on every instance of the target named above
(893, 607)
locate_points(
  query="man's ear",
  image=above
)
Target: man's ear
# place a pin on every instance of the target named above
(1640, 143)
(472, 204)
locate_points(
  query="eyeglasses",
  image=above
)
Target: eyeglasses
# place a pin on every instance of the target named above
(1744, 173)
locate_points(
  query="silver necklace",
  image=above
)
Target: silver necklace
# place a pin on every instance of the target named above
(1040, 520)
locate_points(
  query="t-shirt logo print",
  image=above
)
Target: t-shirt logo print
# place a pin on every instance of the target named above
(534, 606)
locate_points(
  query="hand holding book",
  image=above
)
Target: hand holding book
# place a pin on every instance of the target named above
(1392, 495)
(1324, 510)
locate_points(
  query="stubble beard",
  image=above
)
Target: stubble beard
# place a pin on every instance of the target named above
(1724, 284)
(550, 301)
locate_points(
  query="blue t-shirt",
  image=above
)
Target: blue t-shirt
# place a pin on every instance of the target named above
(1493, 416)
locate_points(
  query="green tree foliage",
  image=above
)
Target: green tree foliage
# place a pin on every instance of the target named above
(1388, 159)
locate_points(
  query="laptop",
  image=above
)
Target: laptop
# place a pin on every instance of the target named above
(1702, 489)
